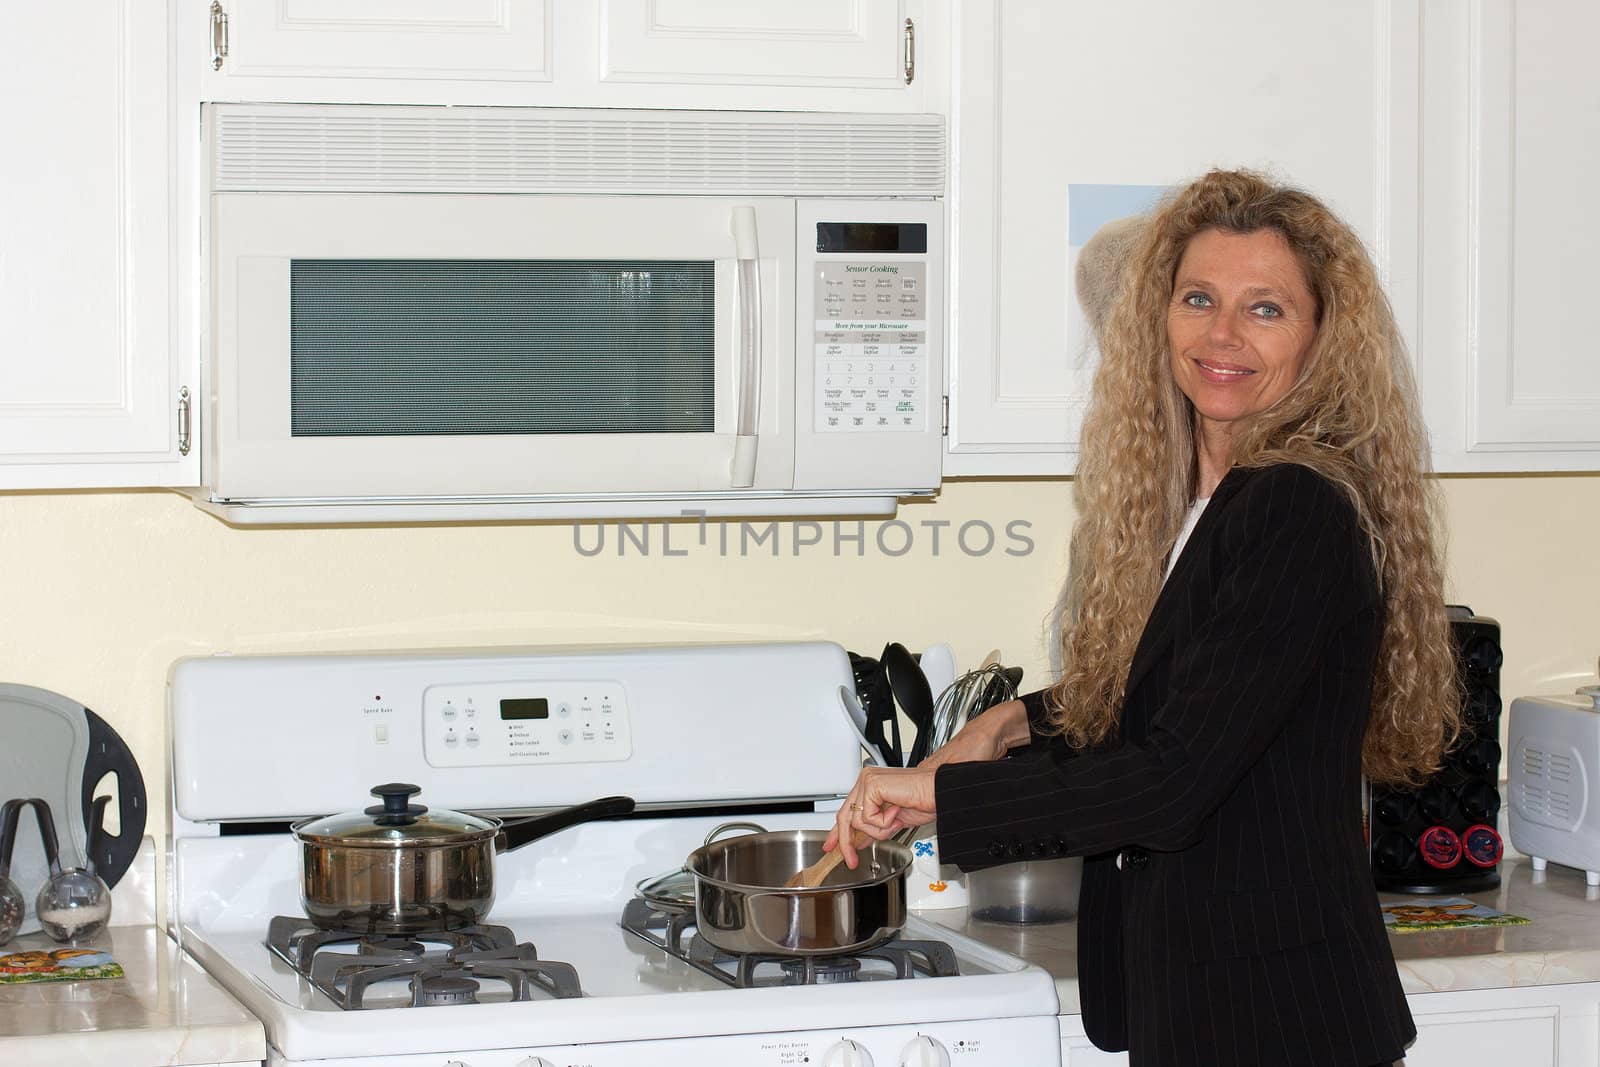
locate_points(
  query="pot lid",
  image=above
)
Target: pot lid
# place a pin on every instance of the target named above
(673, 891)
(396, 822)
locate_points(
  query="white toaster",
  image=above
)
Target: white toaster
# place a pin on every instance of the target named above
(1553, 749)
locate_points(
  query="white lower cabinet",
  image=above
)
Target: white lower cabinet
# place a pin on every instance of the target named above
(1078, 1051)
(1529, 1026)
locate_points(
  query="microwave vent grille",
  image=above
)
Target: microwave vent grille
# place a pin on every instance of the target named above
(334, 148)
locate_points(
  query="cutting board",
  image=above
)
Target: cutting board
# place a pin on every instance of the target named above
(53, 747)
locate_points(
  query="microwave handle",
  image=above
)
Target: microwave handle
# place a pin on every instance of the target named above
(748, 430)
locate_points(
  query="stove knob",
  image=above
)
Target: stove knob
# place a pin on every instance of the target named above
(847, 1054)
(924, 1052)
(535, 1061)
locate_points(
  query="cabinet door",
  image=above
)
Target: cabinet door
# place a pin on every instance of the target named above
(1080, 1052)
(1055, 97)
(1507, 183)
(1527, 1037)
(756, 42)
(89, 389)
(376, 48)
(830, 55)
(1530, 1026)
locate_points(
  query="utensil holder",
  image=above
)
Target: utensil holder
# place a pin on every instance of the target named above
(931, 884)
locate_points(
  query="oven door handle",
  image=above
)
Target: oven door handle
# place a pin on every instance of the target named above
(748, 292)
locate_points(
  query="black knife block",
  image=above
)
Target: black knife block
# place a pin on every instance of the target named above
(1465, 793)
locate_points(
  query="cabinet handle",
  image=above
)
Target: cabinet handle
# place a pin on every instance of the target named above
(219, 35)
(183, 421)
(911, 51)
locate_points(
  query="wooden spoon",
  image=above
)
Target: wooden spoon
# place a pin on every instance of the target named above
(815, 874)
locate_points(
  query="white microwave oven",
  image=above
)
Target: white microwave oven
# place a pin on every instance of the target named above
(455, 313)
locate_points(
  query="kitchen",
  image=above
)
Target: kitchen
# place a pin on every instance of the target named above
(111, 586)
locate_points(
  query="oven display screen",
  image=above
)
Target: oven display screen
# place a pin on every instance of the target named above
(525, 708)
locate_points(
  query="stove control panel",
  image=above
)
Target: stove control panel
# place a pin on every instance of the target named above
(1033, 1040)
(499, 724)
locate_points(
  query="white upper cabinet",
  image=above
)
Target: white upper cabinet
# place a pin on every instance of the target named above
(1057, 105)
(370, 50)
(91, 384)
(1459, 139)
(1508, 356)
(758, 42)
(836, 55)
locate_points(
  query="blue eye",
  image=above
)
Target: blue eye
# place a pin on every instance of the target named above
(1197, 300)
(1271, 311)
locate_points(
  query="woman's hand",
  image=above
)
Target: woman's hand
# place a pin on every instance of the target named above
(885, 800)
(987, 737)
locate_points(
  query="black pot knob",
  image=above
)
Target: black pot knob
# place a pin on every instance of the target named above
(396, 809)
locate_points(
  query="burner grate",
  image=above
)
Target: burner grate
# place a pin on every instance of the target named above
(896, 959)
(451, 974)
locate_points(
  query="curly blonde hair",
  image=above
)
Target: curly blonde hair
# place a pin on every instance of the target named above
(1352, 417)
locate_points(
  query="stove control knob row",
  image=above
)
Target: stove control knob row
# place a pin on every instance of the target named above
(924, 1052)
(847, 1054)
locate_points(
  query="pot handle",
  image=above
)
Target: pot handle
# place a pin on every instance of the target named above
(526, 831)
(752, 827)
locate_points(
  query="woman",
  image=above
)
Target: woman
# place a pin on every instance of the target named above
(1254, 618)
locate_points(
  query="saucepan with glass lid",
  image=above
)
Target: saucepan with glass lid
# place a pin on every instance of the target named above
(401, 868)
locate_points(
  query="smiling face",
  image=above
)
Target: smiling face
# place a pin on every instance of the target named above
(1240, 324)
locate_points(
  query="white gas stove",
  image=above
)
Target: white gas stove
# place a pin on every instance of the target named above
(259, 741)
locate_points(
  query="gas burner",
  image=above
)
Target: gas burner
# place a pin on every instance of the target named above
(808, 970)
(441, 967)
(675, 934)
(389, 946)
(294, 939)
(437, 989)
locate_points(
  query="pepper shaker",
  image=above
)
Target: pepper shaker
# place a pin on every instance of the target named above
(75, 904)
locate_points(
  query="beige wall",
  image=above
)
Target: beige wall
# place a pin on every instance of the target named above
(103, 590)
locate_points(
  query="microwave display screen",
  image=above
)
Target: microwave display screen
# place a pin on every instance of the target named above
(404, 347)
(905, 237)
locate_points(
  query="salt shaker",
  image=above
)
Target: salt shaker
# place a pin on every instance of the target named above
(75, 904)
(11, 906)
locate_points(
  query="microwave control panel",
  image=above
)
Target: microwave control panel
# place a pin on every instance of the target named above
(872, 342)
(525, 723)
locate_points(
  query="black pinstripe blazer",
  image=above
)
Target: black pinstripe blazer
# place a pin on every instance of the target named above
(1227, 914)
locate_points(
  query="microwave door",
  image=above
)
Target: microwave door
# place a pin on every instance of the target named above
(398, 346)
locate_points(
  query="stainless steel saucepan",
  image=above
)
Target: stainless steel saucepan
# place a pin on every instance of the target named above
(742, 904)
(398, 868)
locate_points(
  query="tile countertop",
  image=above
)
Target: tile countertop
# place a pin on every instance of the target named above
(1561, 943)
(165, 1011)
